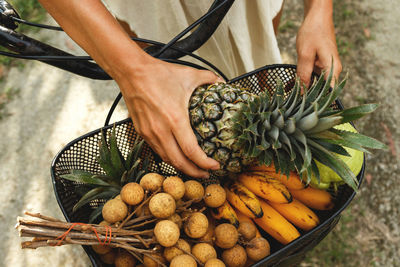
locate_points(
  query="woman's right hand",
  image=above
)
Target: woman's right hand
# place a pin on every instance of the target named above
(157, 97)
(156, 93)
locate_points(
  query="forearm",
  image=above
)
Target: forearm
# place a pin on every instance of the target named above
(93, 28)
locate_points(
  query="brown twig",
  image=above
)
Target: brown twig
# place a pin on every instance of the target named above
(137, 208)
(140, 224)
(40, 216)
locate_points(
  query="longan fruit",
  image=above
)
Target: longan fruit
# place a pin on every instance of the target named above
(235, 257)
(226, 235)
(167, 233)
(124, 259)
(257, 249)
(209, 235)
(215, 195)
(149, 262)
(196, 225)
(132, 193)
(214, 263)
(118, 197)
(162, 205)
(109, 257)
(151, 181)
(104, 223)
(174, 186)
(180, 246)
(114, 210)
(183, 260)
(193, 190)
(176, 219)
(101, 249)
(203, 252)
(247, 230)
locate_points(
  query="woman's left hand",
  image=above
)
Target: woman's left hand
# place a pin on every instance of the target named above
(316, 44)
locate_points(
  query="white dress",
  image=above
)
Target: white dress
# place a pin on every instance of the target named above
(244, 40)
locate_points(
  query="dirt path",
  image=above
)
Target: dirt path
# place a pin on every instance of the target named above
(368, 34)
(53, 108)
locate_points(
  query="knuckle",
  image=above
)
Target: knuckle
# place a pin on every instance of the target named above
(177, 164)
(189, 150)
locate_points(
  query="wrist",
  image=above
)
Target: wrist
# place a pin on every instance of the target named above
(321, 8)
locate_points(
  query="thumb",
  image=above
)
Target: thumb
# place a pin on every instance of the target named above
(207, 77)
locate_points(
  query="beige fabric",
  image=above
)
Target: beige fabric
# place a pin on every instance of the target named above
(244, 40)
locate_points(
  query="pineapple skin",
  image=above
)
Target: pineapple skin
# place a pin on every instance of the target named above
(211, 110)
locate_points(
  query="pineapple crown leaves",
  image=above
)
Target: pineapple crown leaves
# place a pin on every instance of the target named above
(118, 171)
(295, 131)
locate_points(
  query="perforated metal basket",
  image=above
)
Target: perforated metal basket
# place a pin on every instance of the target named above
(81, 154)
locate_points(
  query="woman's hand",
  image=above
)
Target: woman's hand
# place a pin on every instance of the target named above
(316, 42)
(157, 96)
(156, 93)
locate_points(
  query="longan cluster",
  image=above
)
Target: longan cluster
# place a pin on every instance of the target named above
(184, 232)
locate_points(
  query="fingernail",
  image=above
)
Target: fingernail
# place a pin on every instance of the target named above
(215, 167)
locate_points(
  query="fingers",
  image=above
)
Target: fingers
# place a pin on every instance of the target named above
(324, 63)
(305, 66)
(163, 142)
(318, 62)
(171, 153)
(188, 143)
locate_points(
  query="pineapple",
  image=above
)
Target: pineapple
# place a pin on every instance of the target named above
(118, 172)
(238, 128)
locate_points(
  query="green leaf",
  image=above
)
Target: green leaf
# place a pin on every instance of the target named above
(324, 124)
(354, 113)
(346, 143)
(84, 177)
(296, 92)
(117, 160)
(360, 139)
(96, 193)
(333, 147)
(307, 152)
(328, 100)
(315, 170)
(335, 163)
(104, 159)
(95, 214)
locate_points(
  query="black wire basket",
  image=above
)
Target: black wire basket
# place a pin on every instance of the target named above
(82, 152)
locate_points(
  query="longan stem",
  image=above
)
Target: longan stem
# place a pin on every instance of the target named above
(137, 208)
(140, 224)
(139, 219)
(191, 255)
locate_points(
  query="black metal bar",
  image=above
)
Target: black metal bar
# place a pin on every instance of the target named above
(25, 45)
(199, 36)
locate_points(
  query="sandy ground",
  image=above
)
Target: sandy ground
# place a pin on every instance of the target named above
(54, 107)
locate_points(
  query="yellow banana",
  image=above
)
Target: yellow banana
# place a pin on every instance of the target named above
(244, 218)
(298, 214)
(291, 182)
(314, 198)
(243, 199)
(225, 213)
(267, 188)
(276, 225)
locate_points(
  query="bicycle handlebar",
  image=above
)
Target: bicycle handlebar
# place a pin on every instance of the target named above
(24, 45)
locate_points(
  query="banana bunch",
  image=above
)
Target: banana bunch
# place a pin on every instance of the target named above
(280, 205)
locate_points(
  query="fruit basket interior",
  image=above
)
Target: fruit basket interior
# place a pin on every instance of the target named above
(81, 154)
